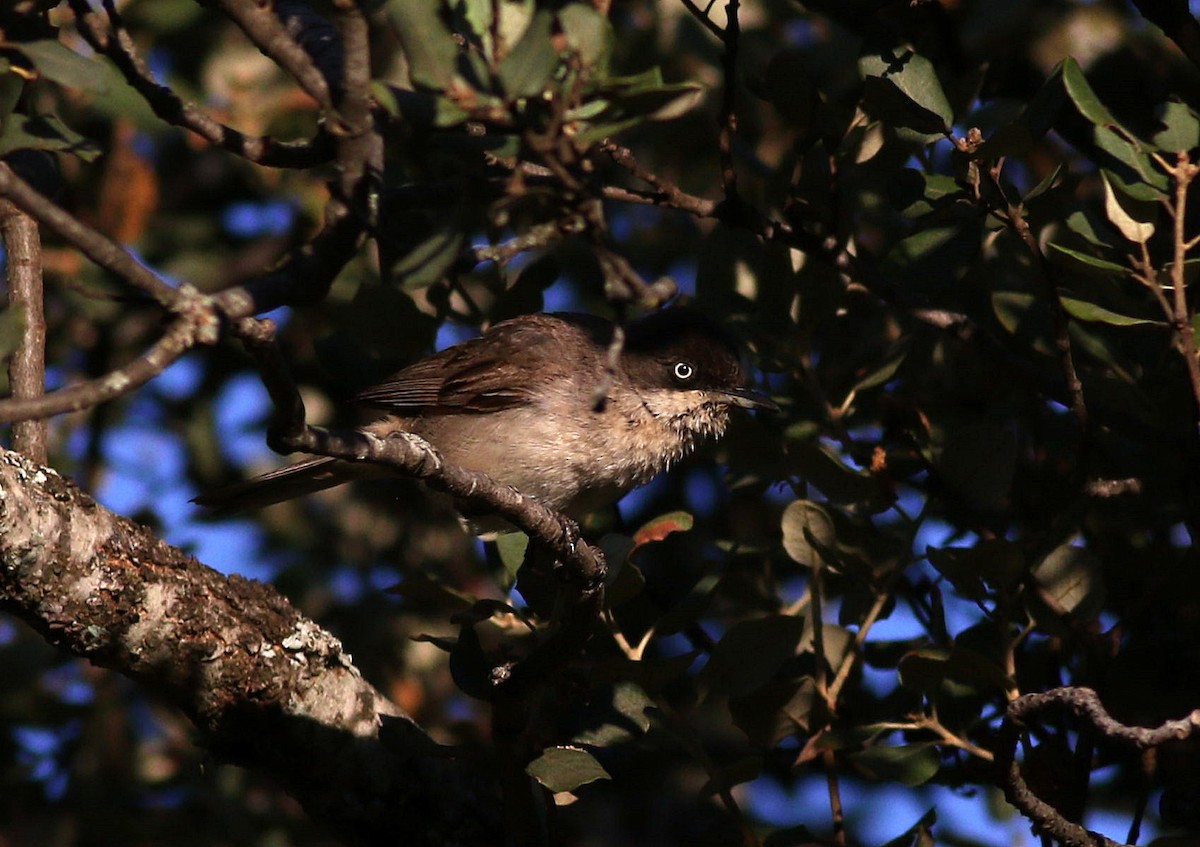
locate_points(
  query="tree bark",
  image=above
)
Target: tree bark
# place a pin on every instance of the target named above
(266, 687)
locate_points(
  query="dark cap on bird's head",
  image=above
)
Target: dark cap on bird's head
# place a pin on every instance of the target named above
(685, 349)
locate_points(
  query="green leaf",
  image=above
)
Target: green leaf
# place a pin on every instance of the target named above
(996, 562)
(977, 464)
(1045, 185)
(684, 613)
(619, 720)
(885, 371)
(589, 33)
(44, 132)
(802, 519)
(427, 43)
(931, 668)
(1085, 311)
(750, 654)
(11, 86)
(526, 71)
(511, 547)
(1110, 135)
(566, 768)
(1181, 128)
(910, 764)
(913, 76)
(55, 61)
(723, 779)
(1070, 577)
(1089, 261)
(821, 467)
(428, 261)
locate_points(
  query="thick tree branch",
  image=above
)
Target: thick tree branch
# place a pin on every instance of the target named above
(27, 368)
(265, 687)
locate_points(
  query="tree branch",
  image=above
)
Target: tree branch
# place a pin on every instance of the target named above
(118, 46)
(27, 368)
(264, 686)
(1083, 703)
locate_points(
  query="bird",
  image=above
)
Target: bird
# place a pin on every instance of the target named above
(540, 403)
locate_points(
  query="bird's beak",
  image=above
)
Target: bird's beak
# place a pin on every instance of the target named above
(748, 398)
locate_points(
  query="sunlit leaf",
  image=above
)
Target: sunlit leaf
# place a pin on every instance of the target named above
(566, 768)
(427, 43)
(525, 72)
(803, 518)
(54, 60)
(1181, 127)
(1085, 311)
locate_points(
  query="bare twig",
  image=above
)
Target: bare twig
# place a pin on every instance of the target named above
(1184, 172)
(95, 246)
(197, 324)
(27, 368)
(1014, 215)
(1085, 704)
(169, 106)
(268, 33)
(728, 119)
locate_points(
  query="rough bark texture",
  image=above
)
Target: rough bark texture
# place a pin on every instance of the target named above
(265, 687)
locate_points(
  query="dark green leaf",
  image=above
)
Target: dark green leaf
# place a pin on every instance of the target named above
(565, 769)
(927, 670)
(977, 464)
(60, 63)
(690, 608)
(744, 770)
(427, 42)
(425, 263)
(821, 467)
(750, 653)
(781, 708)
(44, 132)
(526, 71)
(911, 764)
(621, 719)
(996, 562)
(1181, 128)
(589, 33)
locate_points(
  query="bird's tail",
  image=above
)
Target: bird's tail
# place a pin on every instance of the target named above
(296, 480)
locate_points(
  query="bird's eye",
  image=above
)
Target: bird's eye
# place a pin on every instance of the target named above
(683, 370)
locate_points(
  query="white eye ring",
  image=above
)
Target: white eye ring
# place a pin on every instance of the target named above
(683, 370)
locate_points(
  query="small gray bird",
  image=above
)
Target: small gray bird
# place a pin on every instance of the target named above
(519, 403)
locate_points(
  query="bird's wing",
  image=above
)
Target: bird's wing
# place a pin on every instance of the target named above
(474, 376)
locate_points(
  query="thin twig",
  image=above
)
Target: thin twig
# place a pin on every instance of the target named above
(27, 368)
(95, 246)
(199, 326)
(118, 46)
(269, 35)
